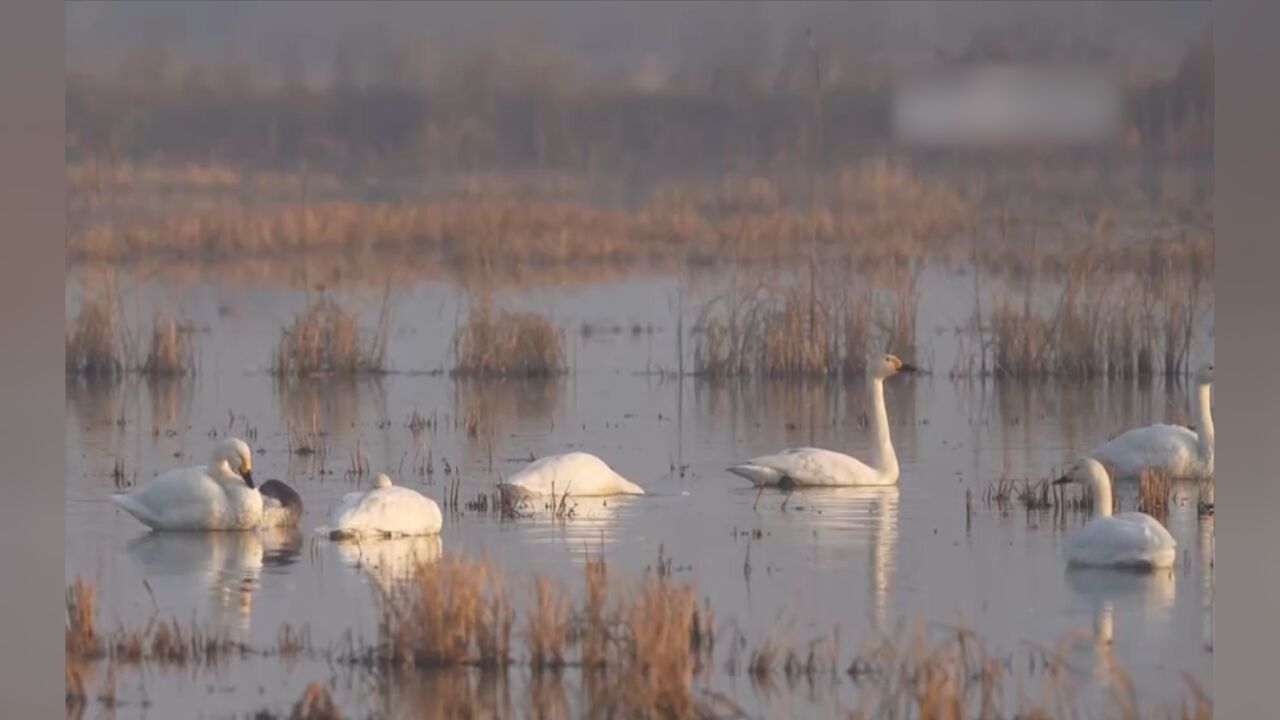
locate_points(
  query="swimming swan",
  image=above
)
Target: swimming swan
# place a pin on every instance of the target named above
(281, 505)
(1131, 539)
(218, 496)
(576, 474)
(812, 466)
(1169, 449)
(386, 510)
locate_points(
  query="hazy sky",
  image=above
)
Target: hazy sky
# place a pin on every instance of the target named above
(608, 35)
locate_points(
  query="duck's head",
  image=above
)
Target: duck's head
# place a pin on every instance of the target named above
(236, 455)
(382, 481)
(1204, 374)
(1086, 471)
(884, 366)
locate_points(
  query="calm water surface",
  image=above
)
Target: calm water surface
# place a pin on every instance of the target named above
(860, 561)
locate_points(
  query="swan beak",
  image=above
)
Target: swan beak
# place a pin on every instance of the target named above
(1062, 480)
(908, 368)
(248, 478)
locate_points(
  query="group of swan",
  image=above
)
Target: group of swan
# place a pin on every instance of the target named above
(222, 495)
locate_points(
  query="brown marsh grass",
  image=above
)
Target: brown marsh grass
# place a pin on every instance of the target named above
(880, 203)
(82, 639)
(640, 649)
(315, 704)
(802, 332)
(1105, 322)
(171, 352)
(507, 344)
(326, 339)
(94, 346)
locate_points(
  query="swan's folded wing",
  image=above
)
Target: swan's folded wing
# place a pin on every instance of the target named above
(1167, 447)
(812, 466)
(177, 499)
(1121, 539)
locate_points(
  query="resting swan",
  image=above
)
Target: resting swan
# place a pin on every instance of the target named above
(1168, 449)
(1131, 539)
(576, 474)
(814, 467)
(386, 510)
(281, 505)
(218, 496)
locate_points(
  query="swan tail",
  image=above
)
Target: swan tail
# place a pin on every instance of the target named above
(757, 474)
(130, 504)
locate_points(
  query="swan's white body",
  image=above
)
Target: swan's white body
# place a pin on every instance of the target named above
(213, 497)
(1171, 450)
(1130, 539)
(386, 510)
(576, 474)
(808, 466)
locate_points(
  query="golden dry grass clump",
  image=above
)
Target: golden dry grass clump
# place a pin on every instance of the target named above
(454, 612)
(315, 704)
(93, 343)
(82, 641)
(799, 333)
(171, 352)
(325, 339)
(508, 344)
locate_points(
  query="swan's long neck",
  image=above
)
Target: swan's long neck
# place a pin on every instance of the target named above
(1100, 484)
(1203, 409)
(882, 456)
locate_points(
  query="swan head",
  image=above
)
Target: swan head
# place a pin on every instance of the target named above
(236, 455)
(382, 481)
(1086, 471)
(885, 366)
(1204, 374)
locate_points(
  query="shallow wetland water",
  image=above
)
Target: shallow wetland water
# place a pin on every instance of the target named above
(853, 561)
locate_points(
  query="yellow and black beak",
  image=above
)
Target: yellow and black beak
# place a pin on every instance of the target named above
(1062, 480)
(247, 474)
(907, 368)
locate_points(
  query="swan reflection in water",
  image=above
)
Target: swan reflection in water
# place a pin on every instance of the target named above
(1104, 590)
(389, 561)
(1206, 571)
(227, 566)
(584, 525)
(837, 520)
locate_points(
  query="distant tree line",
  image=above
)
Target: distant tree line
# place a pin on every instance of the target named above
(493, 111)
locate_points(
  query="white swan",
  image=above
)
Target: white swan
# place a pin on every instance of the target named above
(812, 466)
(576, 474)
(218, 496)
(1131, 539)
(1168, 449)
(386, 510)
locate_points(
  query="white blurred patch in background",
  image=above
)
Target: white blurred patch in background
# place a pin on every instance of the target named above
(992, 105)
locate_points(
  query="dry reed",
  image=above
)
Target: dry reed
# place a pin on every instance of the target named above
(172, 349)
(315, 704)
(806, 333)
(325, 339)
(507, 344)
(94, 343)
